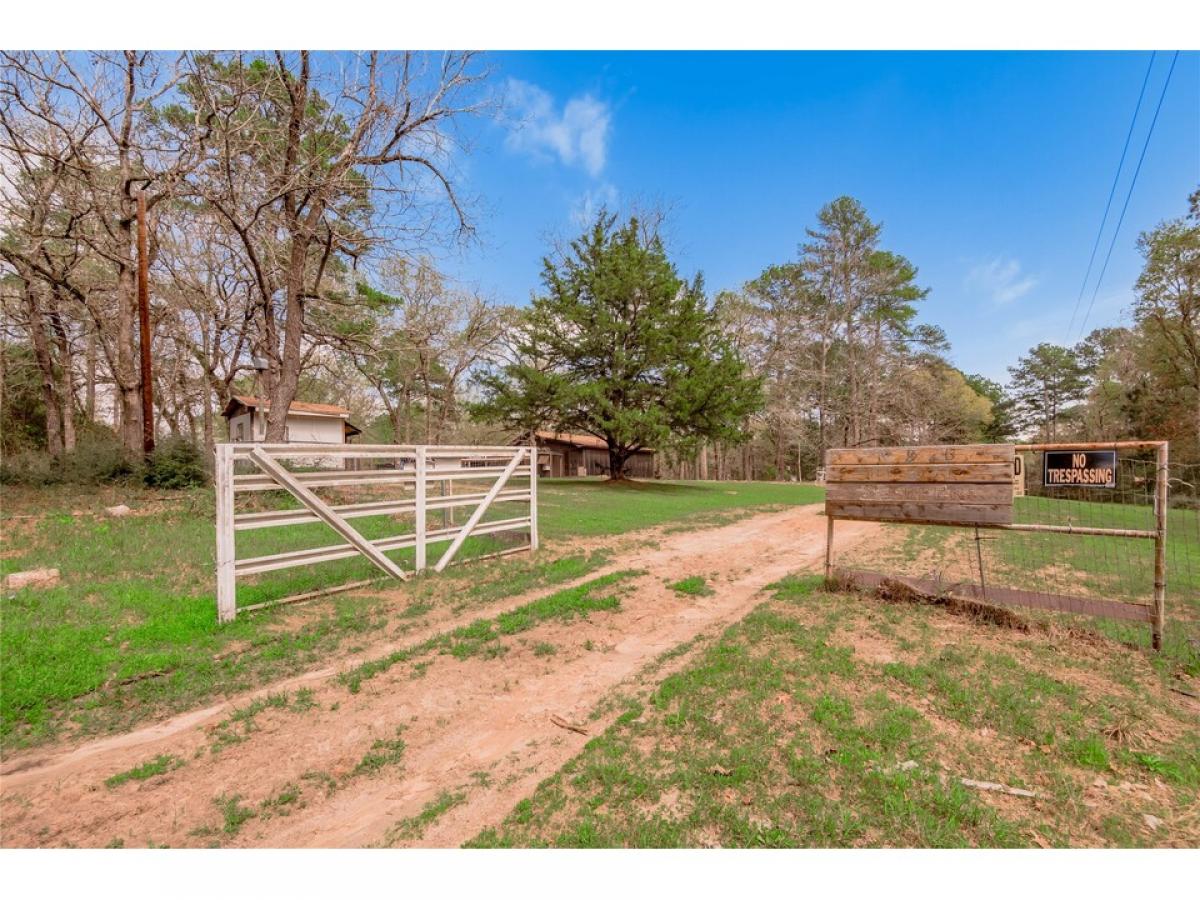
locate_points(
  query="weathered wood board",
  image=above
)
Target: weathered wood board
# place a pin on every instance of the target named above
(940, 453)
(952, 484)
(890, 492)
(946, 473)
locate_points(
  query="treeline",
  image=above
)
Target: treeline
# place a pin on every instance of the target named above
(1134, 381)
(834, 335)
(293, 205)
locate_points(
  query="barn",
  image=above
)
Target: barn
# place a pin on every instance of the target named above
(307, 423)
(565, 455)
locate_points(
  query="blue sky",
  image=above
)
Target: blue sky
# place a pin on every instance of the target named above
(990, 171)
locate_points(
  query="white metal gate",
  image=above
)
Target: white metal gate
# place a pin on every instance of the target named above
(412, 467)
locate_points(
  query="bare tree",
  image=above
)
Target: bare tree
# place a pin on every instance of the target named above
(317, 165)
(99, 111)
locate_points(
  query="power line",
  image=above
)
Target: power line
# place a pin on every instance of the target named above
(1111, 193)
(1124, 207)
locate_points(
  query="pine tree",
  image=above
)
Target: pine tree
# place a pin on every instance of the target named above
(621, 347)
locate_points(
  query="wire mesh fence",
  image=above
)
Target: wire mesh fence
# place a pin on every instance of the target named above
(1076, 549)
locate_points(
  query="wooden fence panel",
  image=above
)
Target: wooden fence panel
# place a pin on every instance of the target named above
(951, 485)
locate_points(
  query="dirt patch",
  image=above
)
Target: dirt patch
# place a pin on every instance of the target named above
(479, 726)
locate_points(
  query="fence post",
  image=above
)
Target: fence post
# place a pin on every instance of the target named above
(420, 510)
(226, 583)
(1161, 481)
(828, 549)
(828, 530)
(533, 500)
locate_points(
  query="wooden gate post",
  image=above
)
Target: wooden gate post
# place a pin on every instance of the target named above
(226, 584)
(1161, 488)
(533, 512)
(419, 510)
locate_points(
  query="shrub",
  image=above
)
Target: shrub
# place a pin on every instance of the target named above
(176, 463)
(98, 458)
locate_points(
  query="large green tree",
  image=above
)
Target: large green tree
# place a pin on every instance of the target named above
(621, 347)
(1001, 427)
(1167, 310)
(873, 294)
(1046, 384)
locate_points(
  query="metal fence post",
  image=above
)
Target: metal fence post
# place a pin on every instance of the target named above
(419, 511)
(1161, 482)
(533, 498)
(226, 584)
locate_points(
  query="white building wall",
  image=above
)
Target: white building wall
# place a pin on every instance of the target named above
(242, 421)
(301, 429)
(315, 429)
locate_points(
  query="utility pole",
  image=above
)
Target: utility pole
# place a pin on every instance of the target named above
(144, 326)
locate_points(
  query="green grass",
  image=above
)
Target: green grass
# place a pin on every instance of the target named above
(782, 733)
(233, 814)
(414, 827)
(282, 802)
(241, 722)
(383, 753)
(694, 586)
(483, 636)
(159, 765)
(131, 632)
(577, 508)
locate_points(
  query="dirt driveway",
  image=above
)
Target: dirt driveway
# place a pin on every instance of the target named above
(466, 739)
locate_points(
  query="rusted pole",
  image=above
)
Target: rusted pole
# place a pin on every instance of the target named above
(828, 548)
(1162, 460)
(979, 558)
(144, 327)
(1090, 445)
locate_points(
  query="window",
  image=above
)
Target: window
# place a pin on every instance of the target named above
(241, 432)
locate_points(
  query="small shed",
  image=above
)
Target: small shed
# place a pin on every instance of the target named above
(307, 423)
(564, 455)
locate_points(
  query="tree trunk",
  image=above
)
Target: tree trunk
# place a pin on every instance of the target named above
(616, 463)
(90, 387)
(210, 442)
(293, 328)
(125, 372)
(399, 434)
(66, 371)
(45, 363)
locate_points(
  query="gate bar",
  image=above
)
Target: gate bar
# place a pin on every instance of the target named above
(480, 510)
(332, 519)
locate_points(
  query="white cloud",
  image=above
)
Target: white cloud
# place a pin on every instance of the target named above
(1001, 280)
(583, 213)
(578, 135)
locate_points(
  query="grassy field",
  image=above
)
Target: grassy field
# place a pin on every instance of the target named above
(130, 631)
(824, 720)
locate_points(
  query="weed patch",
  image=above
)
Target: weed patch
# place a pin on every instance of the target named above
(693, 586)
(383, 753)
(157, 766)
(414, 827)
